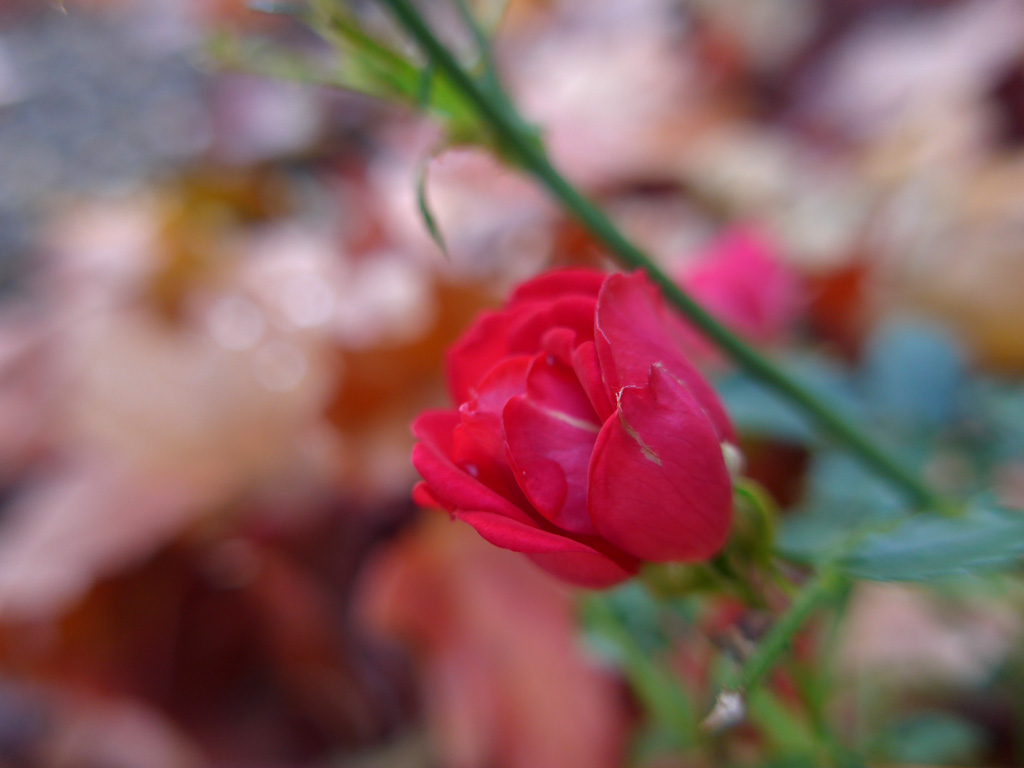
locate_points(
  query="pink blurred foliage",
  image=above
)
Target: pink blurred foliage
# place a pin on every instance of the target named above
(905, 635)
(891, 71)
(505, 680)
(93, 730)
(26, 388)
(741, 279)
(614, 91)
(495, 221)
(128, 428)
(81, 522)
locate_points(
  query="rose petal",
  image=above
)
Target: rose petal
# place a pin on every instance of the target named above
(588, 371)
(561, 282)
(456, 489)
(517, 330)
(479, 449)
(554, 386)
(481, 416)
(632, 333)
(585, 569)
(560, 342)
(479, 441)
(435, 428)
(566, 558)
(549, 461)
(504, 381)
(573, 312)
(659, 487)
(422, 496)
(550, 433)
(477, 351)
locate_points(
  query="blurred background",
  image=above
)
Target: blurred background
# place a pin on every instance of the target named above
(220, 309)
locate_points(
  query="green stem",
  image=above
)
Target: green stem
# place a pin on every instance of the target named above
(735, 581)
(483, 45)
(522, 144)
(665, 700)
(820, 590)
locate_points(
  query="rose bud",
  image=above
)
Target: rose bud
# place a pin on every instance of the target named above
(583, 436)
(742, 280)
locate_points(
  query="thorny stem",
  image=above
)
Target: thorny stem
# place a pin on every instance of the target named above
(520, 142)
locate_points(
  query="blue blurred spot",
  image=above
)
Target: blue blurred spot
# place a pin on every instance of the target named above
(914, 375)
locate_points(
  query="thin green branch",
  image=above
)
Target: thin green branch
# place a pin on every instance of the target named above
(483, 44)
(371, 66)
(821, 589)
(426, 213)
(522, 146)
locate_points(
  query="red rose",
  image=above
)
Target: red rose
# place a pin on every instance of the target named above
(583, 436)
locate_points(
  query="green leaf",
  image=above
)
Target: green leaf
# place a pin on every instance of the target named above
(630, 608)
(376, 68)
(933, 738)
(842, 495)
(914, 375)
(490, 79)
(923, 547)
(426, 85)
(424, 206)
(757, 410)
(999, 408)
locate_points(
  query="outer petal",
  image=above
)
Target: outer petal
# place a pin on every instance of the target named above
(479, 349)
(518, 329)
(455, 489)
(481, 416)
(659, 487)
(478, 442)
(421, 495)
(632, 334)
(435, 428)
(550, 433)
(561, 282)
(588, 569)
(566, 558)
